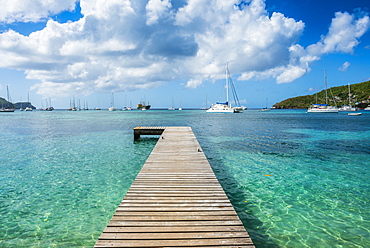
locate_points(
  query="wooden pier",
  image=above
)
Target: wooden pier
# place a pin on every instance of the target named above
(175, 201)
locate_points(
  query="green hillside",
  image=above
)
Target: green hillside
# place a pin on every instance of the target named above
(4, 103)
(338, 96)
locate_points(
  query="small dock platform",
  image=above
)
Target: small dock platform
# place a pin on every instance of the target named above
(138, 131)
(175, 201)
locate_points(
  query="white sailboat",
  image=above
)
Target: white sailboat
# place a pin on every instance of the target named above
(28, 102)
(7, 109)
(266, 108)
(125, 108)
(206, 107)
(323, 108)
(21, 108)
(172, 108)
(225, 107)
(112, 104)
(130, 108)
(348, 108)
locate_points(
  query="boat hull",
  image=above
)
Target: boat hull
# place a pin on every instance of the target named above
(322, 108)
(221, 108)
(347, 109)
(322, 111)
(143, 107)
(7, 110)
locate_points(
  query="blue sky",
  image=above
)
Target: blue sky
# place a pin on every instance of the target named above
(159, 50)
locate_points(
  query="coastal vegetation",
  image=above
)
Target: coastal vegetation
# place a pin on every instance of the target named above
(5, 103)
(18, 105)
(338, 96)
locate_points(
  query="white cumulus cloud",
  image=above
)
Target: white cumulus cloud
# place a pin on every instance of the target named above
(345, 66)
(291, 73)
(156, 9)
(32, 10)
(343, 35)
(123, 45)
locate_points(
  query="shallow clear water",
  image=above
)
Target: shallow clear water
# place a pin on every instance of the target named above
(296, 179)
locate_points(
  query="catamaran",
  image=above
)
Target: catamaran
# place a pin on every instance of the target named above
(225, 107)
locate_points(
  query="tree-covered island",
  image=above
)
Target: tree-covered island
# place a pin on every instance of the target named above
(359, 96)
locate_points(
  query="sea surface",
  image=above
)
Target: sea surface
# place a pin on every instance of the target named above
(295, 179)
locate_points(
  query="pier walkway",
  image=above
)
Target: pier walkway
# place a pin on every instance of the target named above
(175, 201)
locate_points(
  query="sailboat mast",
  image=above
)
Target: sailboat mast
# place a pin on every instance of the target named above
(349, 95)
(7, 93)
(326, 88)
(227, 84)
(112, 100)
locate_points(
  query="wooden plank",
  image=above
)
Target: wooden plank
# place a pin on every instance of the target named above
(177, 194)
(175, 229)
(175, 201)
(188, 209)
(172, 201)
(176, 213)
(171, 235)
(175, 204)
(174, 218)
(175, 242)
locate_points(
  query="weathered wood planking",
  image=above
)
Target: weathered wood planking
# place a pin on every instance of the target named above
(175, 201)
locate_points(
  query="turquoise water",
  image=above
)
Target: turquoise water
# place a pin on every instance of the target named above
(295, 179)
